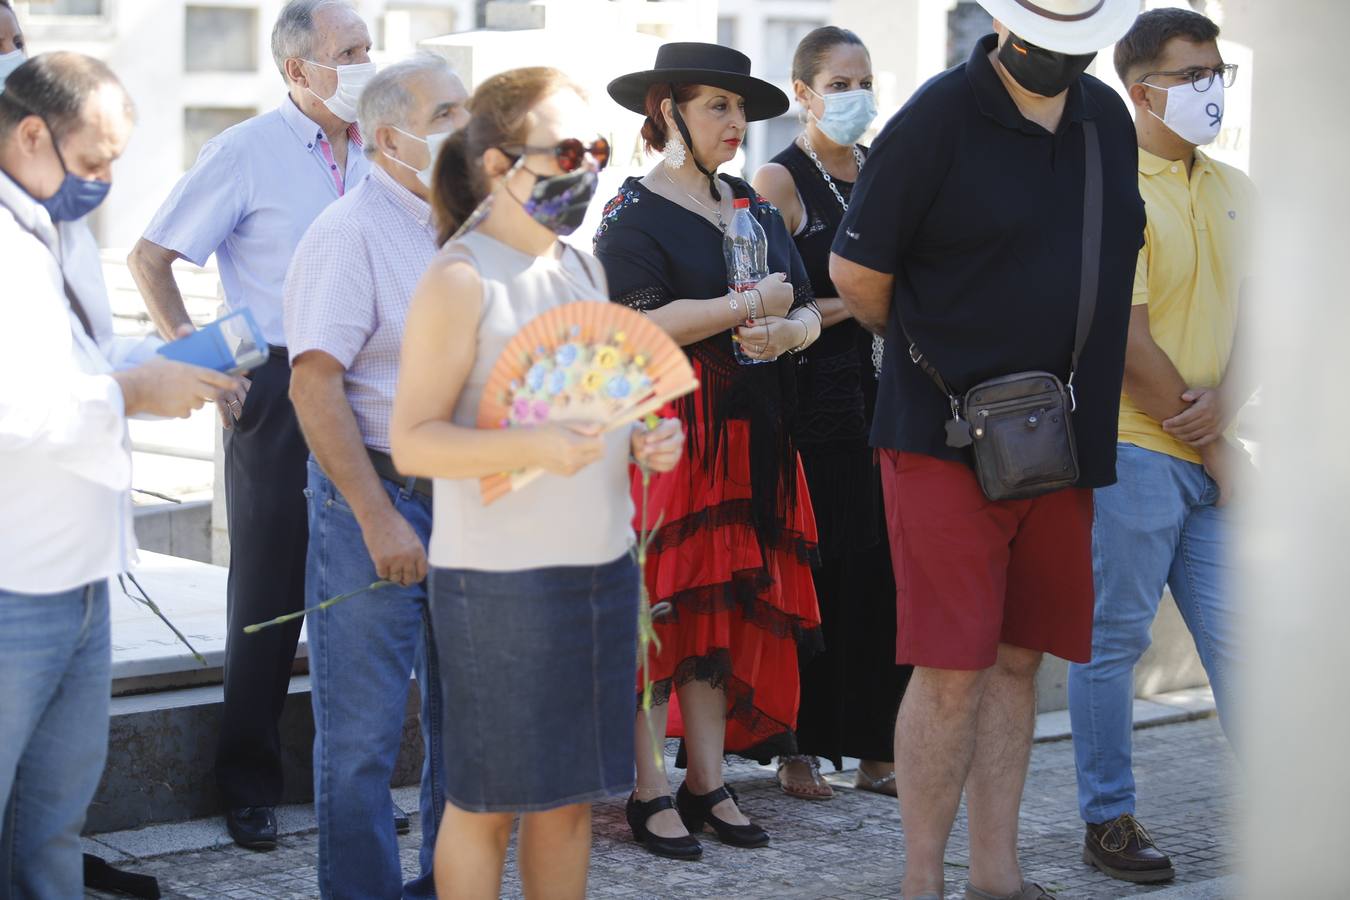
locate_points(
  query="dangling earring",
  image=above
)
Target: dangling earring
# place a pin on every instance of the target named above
(674, 152)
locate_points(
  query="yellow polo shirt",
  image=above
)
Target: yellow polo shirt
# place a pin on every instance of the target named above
(1197, 252)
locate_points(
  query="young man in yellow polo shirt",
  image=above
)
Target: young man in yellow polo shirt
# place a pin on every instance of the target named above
(1164, 522)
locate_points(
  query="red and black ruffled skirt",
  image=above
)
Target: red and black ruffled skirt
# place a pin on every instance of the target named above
(732, 608)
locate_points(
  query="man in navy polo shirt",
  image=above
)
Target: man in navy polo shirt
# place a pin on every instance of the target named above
(967, 226)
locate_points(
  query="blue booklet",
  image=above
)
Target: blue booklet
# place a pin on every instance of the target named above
(231, 344)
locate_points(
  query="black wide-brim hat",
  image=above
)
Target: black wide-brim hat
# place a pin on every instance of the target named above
(690, 62)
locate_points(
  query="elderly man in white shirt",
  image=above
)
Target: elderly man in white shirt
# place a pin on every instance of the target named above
(65, 460)
(249, 198)
(346, 299)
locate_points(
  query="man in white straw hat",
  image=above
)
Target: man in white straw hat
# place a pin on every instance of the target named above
(993, 235)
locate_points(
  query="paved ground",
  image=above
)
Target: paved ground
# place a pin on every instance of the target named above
(849, 847)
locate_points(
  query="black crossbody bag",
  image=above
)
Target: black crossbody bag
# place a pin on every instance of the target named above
(1020, 426)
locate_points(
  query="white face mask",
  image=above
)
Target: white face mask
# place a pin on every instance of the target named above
(8, 63)
(1192, 115)
(847, 115)
(352, 80)
(433, 142)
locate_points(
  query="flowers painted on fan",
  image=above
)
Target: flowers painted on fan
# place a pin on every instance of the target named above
(534, 378)
(556, 382)
(618, 387)
(606, 357)
(566, 355)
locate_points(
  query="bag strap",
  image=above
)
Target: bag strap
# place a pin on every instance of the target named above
(75, 305)
(1092, 242)
(1093, 211)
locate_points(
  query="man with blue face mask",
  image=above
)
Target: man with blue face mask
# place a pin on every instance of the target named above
(67, 387)
(346, 297)
(248, 199)
(13, 50)
(1165, 523)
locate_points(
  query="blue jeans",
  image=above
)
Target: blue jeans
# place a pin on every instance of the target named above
(361, 653)
(55, 671)
(1156, 526)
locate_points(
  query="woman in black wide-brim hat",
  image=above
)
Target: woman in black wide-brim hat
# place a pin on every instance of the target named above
(729, 574)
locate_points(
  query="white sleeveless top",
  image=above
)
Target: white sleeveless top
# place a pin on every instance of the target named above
(582, 520)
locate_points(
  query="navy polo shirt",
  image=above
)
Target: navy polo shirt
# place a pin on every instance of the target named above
(978, 212)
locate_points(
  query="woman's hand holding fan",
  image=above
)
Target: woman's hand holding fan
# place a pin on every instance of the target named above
(581, 366)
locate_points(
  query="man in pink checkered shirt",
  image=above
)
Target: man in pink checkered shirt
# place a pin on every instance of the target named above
(345, 302)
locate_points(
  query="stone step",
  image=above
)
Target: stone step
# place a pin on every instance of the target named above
(167, 705)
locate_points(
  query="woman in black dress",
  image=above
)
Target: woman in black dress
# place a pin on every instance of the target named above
(850, 693)
(729, 573)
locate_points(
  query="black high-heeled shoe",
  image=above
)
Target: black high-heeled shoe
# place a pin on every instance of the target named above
(639, 812)
(696, 811)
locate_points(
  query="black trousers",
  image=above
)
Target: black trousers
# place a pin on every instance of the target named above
(265, 479)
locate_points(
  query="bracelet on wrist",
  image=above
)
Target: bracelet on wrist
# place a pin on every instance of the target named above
(806, 337)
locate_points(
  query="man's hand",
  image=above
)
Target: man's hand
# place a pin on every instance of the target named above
(230, 405)
(395, 548)
(1229, 466)
(1203, 422)
(163, 387)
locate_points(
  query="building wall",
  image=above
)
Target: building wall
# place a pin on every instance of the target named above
(180, 101)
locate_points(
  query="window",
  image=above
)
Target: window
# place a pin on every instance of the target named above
(726, 31)
(66, 7)
(967, 22)
(781, 37)
(220, 39)
(201, 123)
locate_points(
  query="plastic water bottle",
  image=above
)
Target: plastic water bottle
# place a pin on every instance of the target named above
(746, 249)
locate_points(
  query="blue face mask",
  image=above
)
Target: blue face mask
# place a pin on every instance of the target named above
(76, 197)
(8, 63)
(847, 115)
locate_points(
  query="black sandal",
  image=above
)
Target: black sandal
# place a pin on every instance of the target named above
(639, 812)
(696, 811)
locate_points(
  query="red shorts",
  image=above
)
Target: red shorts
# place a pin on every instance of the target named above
(971, 574)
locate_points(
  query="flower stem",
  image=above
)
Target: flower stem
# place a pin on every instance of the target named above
(331, 601)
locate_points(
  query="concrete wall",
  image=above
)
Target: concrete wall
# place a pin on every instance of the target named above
(161, 749)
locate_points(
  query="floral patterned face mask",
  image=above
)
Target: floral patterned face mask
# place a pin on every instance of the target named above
(559, 203)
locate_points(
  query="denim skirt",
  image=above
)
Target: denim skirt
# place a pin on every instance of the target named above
(537, 672)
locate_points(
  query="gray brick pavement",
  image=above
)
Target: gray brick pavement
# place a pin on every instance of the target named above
(849, 847)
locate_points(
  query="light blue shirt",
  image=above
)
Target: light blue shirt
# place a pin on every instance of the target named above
(250, 197)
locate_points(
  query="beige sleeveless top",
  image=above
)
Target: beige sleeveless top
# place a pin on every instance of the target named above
(582, 520)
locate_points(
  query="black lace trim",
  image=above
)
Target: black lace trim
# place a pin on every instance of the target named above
(714, 669)
(741, 595)
(730, 512)
(645, 299)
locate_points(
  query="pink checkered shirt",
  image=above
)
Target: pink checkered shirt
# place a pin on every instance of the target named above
(348, 288)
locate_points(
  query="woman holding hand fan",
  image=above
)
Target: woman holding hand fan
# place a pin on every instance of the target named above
(729, 574)
(534, 597)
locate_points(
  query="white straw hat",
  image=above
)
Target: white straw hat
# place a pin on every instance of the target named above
(1066, 26)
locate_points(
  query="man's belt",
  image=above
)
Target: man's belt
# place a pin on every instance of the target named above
(384, 467)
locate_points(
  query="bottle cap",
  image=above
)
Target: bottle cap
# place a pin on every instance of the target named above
(742, 203)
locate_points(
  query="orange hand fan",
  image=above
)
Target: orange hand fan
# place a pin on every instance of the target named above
(580, 362)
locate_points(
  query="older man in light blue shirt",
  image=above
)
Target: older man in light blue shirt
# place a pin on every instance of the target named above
(253, 192)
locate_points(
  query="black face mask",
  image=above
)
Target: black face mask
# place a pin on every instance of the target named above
(559, 202)
(1042, 71)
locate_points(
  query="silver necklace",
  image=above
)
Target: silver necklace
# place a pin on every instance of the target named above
(829, 182)
(716, 211)
(878, 344)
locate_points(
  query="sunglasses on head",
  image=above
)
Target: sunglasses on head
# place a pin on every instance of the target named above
(569, 152)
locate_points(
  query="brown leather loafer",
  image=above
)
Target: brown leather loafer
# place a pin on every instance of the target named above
(1124, 850)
